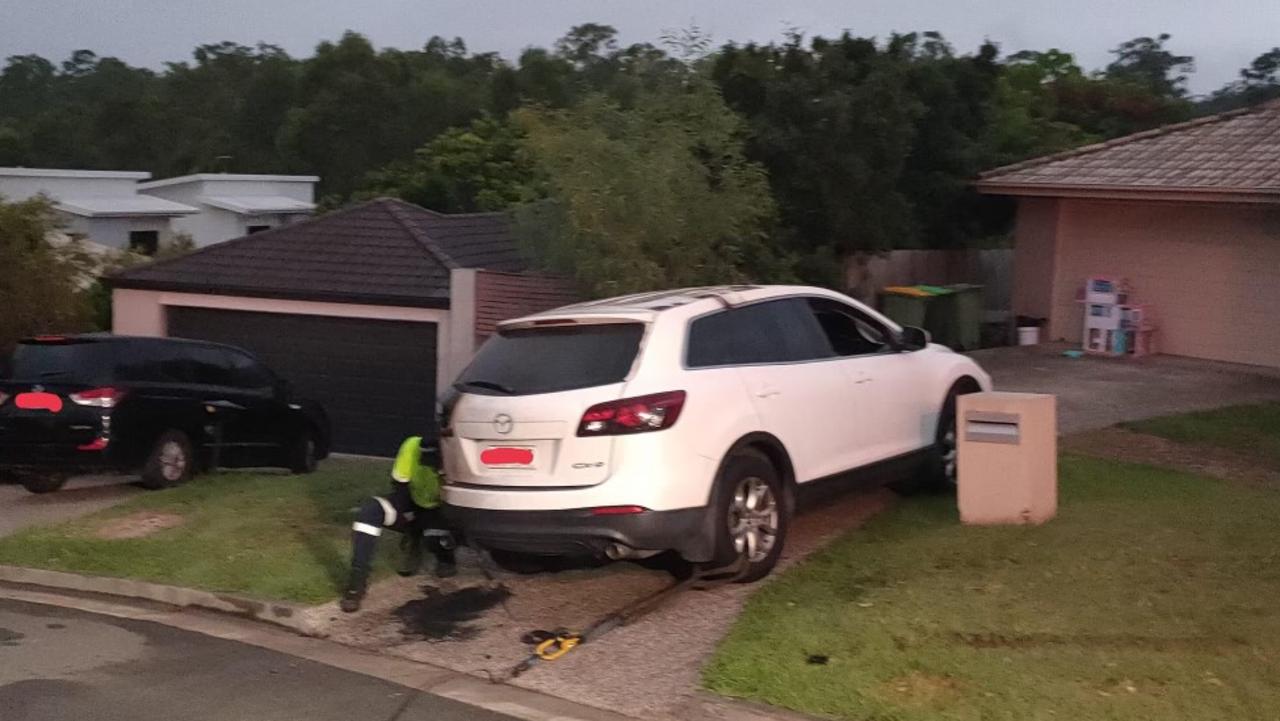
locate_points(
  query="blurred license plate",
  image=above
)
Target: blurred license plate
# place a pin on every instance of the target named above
(38, 401)
(507, 456)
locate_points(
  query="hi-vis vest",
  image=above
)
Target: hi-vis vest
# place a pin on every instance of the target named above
(424, 482)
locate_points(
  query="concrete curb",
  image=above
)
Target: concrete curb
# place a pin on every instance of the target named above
(290, 616)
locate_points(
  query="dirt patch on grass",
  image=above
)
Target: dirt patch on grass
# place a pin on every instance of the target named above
(1122, 444)
(137, 525)
(918, 688)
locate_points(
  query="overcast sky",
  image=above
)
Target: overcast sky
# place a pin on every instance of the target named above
(1223, 35)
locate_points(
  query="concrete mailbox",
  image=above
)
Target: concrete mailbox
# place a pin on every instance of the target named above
(1008, 458)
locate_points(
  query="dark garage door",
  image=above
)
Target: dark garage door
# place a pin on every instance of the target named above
(376, 378)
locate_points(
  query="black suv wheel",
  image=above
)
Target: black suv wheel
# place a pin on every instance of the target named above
(42, 482)
(171, 462)
(303, 453)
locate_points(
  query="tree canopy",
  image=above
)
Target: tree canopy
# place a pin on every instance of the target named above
(842, 144)
(656, 194)
(38, 280)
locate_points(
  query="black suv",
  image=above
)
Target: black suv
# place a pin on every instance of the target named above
(164, 407)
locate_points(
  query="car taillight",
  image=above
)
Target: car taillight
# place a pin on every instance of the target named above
(632, 415)
(98, 397)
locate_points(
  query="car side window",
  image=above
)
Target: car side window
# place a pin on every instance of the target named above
(151, 361)
(209, 366)
(248, 373)
(850, 332)
(778, 331)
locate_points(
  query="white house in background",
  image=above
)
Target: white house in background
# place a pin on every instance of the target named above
(102, 206)
(231, 206)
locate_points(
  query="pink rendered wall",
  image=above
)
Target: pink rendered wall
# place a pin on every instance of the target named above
(1212, 271)
(1034, 253)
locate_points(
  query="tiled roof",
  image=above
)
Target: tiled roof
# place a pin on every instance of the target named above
(1233, 153)
(384, 251)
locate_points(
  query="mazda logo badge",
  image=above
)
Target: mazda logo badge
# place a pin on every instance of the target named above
(502, 423)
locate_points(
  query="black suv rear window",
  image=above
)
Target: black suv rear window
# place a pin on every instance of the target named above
(547, 360)
(87, 362)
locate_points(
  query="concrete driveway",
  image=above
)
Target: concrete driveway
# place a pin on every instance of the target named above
(20, 508)
(1096, 392)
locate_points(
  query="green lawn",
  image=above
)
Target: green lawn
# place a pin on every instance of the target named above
(272, 535)
(1153, 595)
(1252, 429)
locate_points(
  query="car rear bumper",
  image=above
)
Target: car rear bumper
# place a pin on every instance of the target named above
(578, 532)
(54, 457)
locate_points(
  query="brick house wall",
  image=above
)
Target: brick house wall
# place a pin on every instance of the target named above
(499, 296)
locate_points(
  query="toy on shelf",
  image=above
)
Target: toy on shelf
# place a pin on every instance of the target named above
(1112, 325)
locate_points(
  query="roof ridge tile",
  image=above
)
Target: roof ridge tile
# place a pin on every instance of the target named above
(397, 209)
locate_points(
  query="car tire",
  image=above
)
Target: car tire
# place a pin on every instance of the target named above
(171, 462)
(751, 514)
(937, 474)
(42, 482)
(304, 453)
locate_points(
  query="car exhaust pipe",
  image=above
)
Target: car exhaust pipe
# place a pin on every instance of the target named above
(619, 552)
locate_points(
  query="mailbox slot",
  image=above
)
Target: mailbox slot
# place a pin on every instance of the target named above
(992, 427)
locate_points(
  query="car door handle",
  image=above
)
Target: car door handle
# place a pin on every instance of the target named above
(767, 392)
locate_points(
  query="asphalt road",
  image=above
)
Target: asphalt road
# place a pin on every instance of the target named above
(61, 664)
(84, 494)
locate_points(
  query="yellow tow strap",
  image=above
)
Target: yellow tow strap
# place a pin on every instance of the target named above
(553, 648)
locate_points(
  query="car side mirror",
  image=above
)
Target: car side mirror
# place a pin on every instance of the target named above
(913, 338)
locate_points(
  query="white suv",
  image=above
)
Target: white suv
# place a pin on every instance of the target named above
(690, 420)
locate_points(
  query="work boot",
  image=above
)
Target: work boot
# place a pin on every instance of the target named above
(446, 565)
(411, 560)
(357, 584)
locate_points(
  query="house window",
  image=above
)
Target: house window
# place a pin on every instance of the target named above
(258, 228)
(146, 242)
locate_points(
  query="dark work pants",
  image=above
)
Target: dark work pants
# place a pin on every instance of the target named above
(397, 512)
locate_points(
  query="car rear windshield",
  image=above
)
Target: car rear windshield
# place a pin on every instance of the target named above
(78, 362)
(547, 360)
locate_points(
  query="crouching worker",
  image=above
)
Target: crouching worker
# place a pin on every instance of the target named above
(413, 509)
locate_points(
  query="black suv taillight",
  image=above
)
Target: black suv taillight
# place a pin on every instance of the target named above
(98, 397)
(632, 415)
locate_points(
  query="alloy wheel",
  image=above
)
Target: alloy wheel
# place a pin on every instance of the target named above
(753, 519)
(173, 461)
(949, 450)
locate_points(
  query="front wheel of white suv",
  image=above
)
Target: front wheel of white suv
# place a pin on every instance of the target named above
(751, 514)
